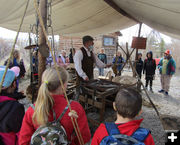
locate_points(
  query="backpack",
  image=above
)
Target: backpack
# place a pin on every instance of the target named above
(53, 133)
(116, 138)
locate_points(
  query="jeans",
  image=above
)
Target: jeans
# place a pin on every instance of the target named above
(101, 71)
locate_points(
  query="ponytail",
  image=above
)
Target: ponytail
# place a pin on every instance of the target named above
(45, 101)
(44, 104)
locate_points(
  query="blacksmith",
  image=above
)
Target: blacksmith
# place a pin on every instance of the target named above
(85, 59)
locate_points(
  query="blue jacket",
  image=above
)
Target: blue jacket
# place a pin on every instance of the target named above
(102, 57)
(120, 61)
(171, 66)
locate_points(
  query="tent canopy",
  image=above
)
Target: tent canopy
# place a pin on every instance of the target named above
(93, 17)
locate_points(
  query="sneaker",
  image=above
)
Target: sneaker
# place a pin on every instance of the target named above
(161, 91)
(151, 90)
(166, 93)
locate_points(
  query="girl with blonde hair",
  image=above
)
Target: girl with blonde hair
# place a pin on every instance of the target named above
(51, 97)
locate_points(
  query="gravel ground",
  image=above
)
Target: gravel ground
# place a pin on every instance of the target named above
(166, 105)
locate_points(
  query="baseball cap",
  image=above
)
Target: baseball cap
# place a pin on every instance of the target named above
(167, 52)
(9, 78)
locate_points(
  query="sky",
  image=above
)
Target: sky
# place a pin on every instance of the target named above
(127, 34)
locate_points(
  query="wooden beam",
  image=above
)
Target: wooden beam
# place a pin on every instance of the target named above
(42, 40)
(120, 10)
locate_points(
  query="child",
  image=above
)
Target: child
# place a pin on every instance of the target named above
(50, 97)
(139, 65)
(149, 69)
(11, 111)
(102, 56)
(128, 105)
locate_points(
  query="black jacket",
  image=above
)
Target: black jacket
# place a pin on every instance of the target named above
(139, 66)
(11, 114)
(149, 66)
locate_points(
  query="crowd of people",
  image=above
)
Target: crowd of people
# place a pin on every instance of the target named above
(166, 66)
(18, 127)
(39, 124)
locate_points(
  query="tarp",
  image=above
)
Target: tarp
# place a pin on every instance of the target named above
(93, 17)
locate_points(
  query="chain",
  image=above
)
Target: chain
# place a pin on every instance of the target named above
(49, 23)
(49, 12)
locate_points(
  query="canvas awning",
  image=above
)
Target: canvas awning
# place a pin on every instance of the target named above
(93, 17)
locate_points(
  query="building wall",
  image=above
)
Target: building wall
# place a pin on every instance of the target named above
(76, 42)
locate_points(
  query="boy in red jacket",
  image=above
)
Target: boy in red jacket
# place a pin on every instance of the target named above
(128, 104)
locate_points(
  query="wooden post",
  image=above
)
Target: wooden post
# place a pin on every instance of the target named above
(136, 57)
(42, 40)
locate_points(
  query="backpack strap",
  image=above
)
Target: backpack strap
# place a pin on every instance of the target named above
(65, 109)
(113, 131)
(141, 134)
(112, 128)
(32, 106)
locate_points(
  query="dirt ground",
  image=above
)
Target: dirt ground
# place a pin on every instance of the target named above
(168, 107)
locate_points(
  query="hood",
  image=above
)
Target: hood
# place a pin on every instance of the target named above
(150, 52)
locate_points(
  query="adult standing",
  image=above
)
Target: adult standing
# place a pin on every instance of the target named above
(71, 55)
(17, 62)
(85, 59)
(102, 56)
(63, 60)
(118, 62)
(167, 67)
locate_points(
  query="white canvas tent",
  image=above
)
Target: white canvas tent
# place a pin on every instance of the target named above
(93, 17)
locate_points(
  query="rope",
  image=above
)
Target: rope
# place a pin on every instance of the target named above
(74, 122)
(12, 50)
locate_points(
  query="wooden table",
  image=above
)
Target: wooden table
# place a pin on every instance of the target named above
(97, 94)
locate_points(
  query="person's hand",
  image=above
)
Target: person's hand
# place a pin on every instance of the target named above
(73, 114)
(86, 79)
(22, 92)
(109, 65)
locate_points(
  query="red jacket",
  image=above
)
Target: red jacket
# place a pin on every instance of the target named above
(127, 128)
(28, 128)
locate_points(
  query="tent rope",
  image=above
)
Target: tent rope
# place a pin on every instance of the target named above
(13, 47)
(74, 120)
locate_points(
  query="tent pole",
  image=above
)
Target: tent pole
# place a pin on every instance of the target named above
(42, 40)
(136, 56)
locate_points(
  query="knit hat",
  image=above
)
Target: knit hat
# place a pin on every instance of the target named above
(9, 78)
(16, 70)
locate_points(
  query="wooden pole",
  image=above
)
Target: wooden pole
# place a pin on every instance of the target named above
(136, 57)
(42, 40)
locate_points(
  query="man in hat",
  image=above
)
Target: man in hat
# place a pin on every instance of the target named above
(85, 59)
(167, 67)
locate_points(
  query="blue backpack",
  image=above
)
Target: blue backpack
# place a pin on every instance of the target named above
(116, 138)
